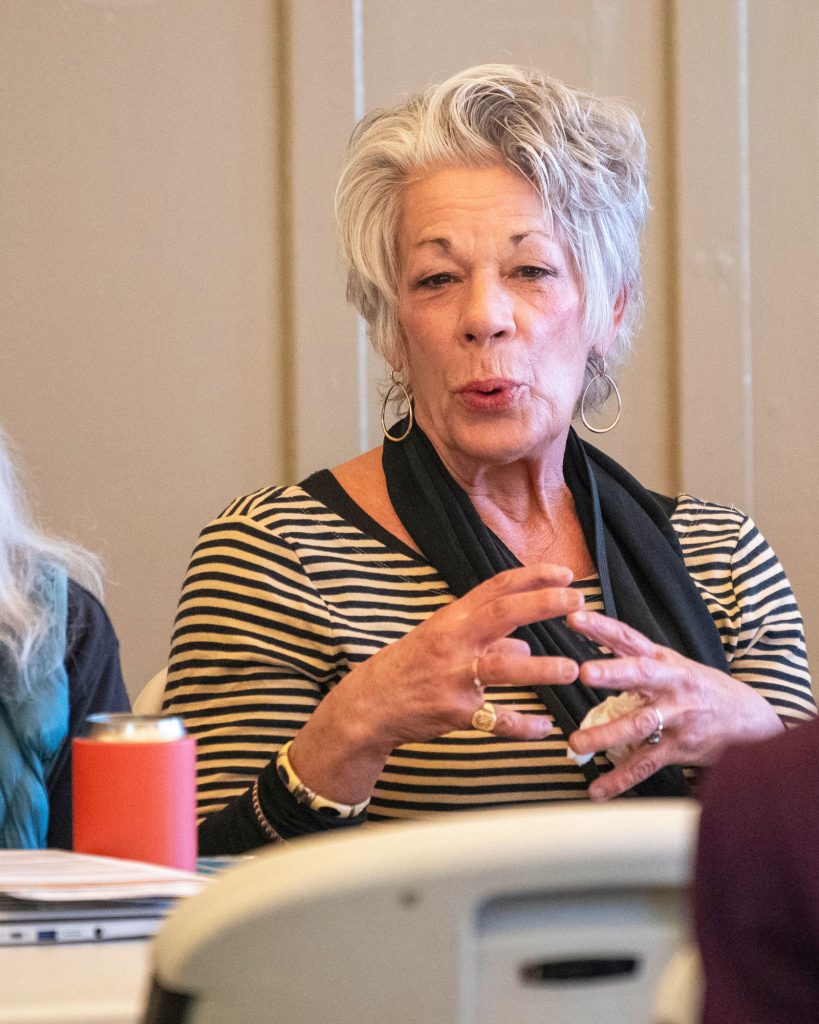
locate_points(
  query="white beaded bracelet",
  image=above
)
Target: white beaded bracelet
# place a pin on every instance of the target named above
(304, 795)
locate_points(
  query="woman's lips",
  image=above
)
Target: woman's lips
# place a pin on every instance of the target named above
(489, 395)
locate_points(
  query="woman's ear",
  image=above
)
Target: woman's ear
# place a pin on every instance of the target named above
(618, 312)
(619, 308)
(397, 361)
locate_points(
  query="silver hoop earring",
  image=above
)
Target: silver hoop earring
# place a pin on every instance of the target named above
(396, 383)
(601, 375)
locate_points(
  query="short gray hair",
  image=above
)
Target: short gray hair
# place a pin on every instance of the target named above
(584, 155)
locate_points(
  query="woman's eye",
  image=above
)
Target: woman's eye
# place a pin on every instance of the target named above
(435, 280)
(533, 273)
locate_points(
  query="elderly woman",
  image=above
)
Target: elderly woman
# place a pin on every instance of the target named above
(425, 627)
(59, 663)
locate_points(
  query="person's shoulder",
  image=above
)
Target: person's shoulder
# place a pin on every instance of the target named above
(274, 499)
(92, 650)
(85, 611)
(270, 523)
(326, 496)
(271, 511)
(90, 634)
(709, 526)
(691, 510)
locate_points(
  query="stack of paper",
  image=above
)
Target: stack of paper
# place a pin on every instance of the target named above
(62, 875)
(58, 896)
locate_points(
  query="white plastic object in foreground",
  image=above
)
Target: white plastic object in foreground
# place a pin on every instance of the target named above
(469, 919)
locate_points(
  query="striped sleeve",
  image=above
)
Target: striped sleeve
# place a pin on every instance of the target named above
(770, 650)
(253, 650)
(750, 598)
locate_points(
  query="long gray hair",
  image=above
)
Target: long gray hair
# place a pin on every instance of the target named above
(584, 155)
(23, 549)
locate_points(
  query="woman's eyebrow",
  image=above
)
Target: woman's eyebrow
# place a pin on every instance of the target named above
(443, 243)
(516, 239)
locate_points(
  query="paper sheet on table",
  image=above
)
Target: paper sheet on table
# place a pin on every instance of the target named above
(65, 876)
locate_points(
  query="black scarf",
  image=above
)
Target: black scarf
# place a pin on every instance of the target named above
(642, 573)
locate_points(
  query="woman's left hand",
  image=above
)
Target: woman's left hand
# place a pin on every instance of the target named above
(701, 709)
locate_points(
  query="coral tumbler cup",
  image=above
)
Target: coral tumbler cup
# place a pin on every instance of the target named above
(135, 790)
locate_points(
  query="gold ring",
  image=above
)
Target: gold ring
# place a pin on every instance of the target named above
(476, 679)
(485, 719)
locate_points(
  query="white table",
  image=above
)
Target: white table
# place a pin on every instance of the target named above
(77, 983)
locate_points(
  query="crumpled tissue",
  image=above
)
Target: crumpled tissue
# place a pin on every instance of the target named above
(606, 711)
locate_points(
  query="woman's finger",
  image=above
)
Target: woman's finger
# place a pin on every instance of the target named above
(617, 636)
(514, 725)
(501, 669)
(513, 598)
(505, 612)
(626, 730)
(643, 673)
(509, 645)
(518, 580)
(641, 765)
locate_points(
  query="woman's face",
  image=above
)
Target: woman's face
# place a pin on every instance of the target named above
(490, 306)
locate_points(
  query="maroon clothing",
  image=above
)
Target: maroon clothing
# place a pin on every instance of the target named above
(756, 892)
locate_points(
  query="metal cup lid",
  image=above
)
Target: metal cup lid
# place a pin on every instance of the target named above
(122, 727)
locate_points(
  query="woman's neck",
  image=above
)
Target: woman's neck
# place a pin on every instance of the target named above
(528, 504)
(532, 512)
(537, 525)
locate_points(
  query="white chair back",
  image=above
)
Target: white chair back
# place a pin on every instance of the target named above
(149, 701)
(544, 914)
(681, 990)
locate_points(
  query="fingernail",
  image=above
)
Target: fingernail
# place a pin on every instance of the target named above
(576, 746)
(574, 599)
(591, 670)
(581, 618)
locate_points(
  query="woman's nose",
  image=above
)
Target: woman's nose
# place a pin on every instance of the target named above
(487, 313)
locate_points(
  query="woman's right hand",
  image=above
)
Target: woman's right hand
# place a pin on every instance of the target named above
(423, 685)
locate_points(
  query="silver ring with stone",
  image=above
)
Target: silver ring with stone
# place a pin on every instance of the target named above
(657, 735)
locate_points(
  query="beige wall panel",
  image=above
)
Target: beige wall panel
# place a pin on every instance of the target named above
(748, 152)
(327, 357)
(138, 271)
(783, 42)
(716, 421)
(616, 48)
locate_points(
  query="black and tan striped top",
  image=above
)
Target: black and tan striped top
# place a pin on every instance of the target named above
(284, 595)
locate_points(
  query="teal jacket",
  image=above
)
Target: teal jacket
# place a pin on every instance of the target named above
(34, 715)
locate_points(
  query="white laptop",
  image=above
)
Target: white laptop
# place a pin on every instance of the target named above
(36, 922)
(49, 896)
